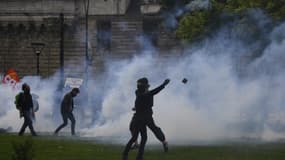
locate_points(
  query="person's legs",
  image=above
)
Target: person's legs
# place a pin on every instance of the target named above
(65, 122)
(72, 119)
(30, 124)
(143, 142)
(25, 124)
(155, 129)
(158, 133)
(136, 127)
(132, 128)
(129, 144)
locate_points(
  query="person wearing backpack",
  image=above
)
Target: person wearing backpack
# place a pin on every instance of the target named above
(35, 104)
(66, 111)
(25, 102)
(17, 103)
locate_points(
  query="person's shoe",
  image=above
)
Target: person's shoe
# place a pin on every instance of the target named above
(165, 146)
(34, 135)
(20, 134)
(75, 135)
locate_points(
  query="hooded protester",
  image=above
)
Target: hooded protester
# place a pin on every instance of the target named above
(66, 110)
(26, 103)
(143, 117)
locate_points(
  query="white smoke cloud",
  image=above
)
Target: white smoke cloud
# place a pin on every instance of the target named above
(170, 18)
(198, 5)
(216, 103)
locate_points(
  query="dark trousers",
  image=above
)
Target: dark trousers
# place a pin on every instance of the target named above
(27, 123)
(138, 126)
(65, 117)
(155, 129)
(149, 122)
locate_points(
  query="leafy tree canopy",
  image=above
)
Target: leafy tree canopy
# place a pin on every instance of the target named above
(194, 24)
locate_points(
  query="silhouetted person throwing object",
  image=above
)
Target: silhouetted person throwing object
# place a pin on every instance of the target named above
(26, 103)
(143, 118)
(66, 110)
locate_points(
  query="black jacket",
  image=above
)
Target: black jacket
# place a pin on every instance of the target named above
(144, 101)
(67, 103)
(26, 101)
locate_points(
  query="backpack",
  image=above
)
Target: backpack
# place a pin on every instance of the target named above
(17, 101)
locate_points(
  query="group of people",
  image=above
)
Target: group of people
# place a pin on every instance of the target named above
(26, 111)
(142, 118)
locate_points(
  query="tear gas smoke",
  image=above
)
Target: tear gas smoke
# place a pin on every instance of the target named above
(170, 18)
(220, 103)
(198, 5)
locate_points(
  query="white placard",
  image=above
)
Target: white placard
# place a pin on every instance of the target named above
(73, 82)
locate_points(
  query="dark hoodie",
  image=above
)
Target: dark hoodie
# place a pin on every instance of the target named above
(67, 103)
(144, 101)
(26, 101)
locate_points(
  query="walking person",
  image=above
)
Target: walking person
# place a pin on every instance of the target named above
(26, 104)
(143, 117)
(66, 110)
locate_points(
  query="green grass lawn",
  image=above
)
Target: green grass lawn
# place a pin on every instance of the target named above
(54, 148)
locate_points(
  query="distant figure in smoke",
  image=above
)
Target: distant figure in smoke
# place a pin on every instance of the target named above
(26, 103)
(66, 110)
(143, 117)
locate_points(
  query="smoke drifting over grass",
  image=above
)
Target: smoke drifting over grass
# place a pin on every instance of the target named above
(224, 98)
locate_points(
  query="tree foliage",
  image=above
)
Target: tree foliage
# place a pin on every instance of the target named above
(193, 25)
(274, 8)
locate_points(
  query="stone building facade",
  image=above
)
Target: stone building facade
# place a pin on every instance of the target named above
(114, 30)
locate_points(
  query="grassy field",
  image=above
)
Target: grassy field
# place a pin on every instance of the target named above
(55, 148)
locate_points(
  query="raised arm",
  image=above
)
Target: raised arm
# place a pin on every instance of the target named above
(159, 88)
